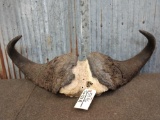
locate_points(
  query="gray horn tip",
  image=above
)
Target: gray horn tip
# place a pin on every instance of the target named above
(145, 33)
(18, 37)
(141, 31)
(14, 40)
(11, 44)
(149, 36)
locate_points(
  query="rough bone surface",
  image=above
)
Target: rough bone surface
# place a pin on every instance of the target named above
(83, 79)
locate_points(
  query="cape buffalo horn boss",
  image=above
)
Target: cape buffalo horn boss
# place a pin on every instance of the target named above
(66, 75)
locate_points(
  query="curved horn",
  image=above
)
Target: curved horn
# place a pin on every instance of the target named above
(22, 63)
(132, 66)
(113, 73)
(52, 75)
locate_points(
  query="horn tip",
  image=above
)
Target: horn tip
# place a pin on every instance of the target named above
(16, 38)
(147, 34)
(11, 44)
(142, 31)
(19, 36)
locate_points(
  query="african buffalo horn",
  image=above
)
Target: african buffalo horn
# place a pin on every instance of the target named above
(52, 75)
(120, 72)
(58, 72)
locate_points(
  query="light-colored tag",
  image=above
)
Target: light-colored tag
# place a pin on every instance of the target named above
(85, 99)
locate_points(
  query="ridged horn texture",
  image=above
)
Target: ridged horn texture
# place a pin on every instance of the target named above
(50, 76)
(120, 72)
(58, 72)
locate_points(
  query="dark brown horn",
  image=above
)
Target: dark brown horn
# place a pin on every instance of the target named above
(13, 54)
(132, 66)
(113, 73)
(52, 75)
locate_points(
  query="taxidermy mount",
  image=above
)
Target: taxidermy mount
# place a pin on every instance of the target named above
(67, 75)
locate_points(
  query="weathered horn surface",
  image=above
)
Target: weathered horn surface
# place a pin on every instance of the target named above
(52, 75)
(67, 75)
(113, 73)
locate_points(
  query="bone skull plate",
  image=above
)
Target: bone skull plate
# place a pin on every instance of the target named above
(66, 75)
